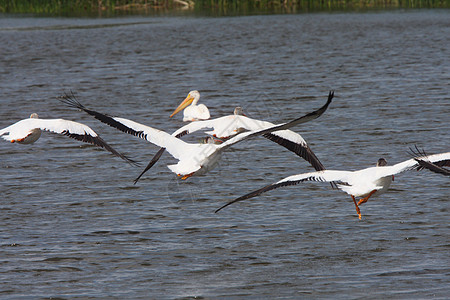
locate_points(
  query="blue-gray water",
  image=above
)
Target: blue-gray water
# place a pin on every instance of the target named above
(73, 225)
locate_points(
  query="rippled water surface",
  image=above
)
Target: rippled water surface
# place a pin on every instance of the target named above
(73, 225)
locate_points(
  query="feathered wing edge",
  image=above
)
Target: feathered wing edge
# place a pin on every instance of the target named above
(304, 151)
(71, 101)
(435, 167)
(281, 183)
(98, 141)
(304, 119)
(422, 159)
(301, 150)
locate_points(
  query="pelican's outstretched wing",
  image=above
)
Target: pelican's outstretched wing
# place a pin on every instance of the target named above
(71, 101)
(439, 159)
(338, 177)
(302, 150)
(71, 129)
(304, 119)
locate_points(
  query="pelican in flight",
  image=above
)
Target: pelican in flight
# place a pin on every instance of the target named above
(362, 183)
(192, 158)
(192, 111)
(29, 130)
(180, 133)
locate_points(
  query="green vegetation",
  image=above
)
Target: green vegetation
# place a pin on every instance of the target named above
(214, 7)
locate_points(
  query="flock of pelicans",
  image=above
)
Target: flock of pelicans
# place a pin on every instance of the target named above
(199, 158)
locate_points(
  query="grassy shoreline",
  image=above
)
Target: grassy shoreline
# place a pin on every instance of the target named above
(220, 7)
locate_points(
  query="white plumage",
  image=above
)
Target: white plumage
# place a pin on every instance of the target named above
(28, 131)
(228, 126)
(362, 183)
(192, 111)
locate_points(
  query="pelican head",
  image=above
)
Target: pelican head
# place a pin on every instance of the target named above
(381, 162)
(239, 111)
(192, 98)
(34, 116)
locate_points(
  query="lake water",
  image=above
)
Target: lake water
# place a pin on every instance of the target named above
(73, 225)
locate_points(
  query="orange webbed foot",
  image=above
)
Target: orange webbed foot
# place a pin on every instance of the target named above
(358, 211)
(186, 176)
(364, 200)
(361, 201)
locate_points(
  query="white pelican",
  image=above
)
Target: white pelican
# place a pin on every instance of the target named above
(228, 126)
(237, 111)
(192, 111)
(28, 131)
(193, 158)
(363, 183)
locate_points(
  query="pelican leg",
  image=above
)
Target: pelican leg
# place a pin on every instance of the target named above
(18, 140)
(358, 211)
(186, 176)
(364, 200)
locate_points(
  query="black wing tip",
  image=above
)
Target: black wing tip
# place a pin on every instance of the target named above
(251, 195)
(229, 203)
(181, 134)
(431, 166)
(272, 187)
(151, 163)
(131, 161)
(330, 95)
(69, 99)
(321, 110)
(330, 98)
(417, 152)
(135, 181)
(220, 208)
(99, 142)
(247, 196)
